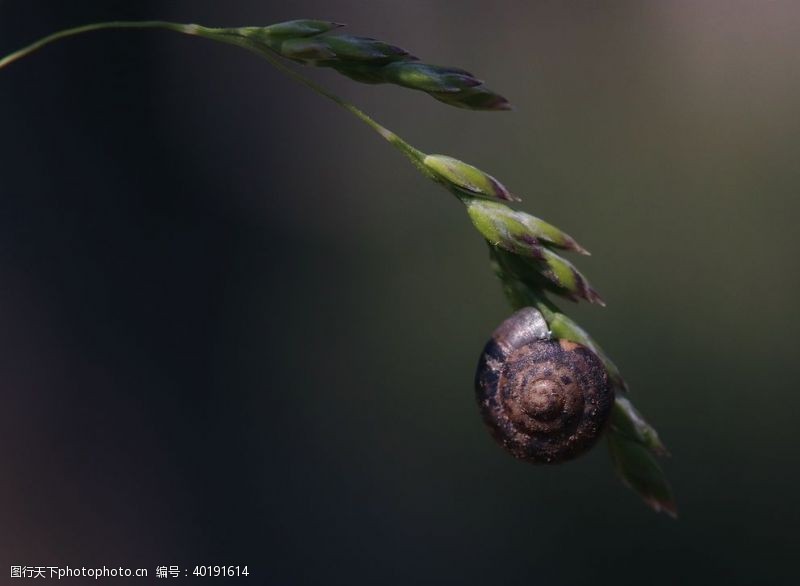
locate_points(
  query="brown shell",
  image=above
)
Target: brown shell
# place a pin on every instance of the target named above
(544, 400)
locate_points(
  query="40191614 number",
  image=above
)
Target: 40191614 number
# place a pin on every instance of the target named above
(213, 571)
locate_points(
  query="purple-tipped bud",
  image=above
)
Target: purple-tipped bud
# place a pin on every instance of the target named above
(568, 281)
(274, 36)
(476, 98)
(637, 468)
(369, 60)
(626, 420)
(465, 179)
(504, 231)
(518, 233)
(309, 51)
(347, 48)
(341, 51)
(428, 78)
(516, 225)
(297, 28)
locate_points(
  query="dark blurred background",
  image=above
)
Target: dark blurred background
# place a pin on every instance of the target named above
(238, 328)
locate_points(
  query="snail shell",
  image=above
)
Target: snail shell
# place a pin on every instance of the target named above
(544, 400)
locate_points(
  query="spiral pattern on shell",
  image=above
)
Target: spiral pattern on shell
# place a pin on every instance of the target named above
(544, 400)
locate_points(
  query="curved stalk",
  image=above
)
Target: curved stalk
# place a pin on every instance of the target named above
(225, 35)
(188, 29)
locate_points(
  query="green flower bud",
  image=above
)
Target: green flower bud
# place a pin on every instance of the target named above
(504, 231)
(637, 468)
(627, 421)
(499, 213)
(465, 179)
(516, 233)
(364, 49)
(541, 269)
(340, 51)
(308, 51)
(475, 98)
(567, 279)
(276, 35)
(295, 28)
(428, 78)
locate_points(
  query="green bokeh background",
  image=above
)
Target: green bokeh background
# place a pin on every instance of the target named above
(331, 407)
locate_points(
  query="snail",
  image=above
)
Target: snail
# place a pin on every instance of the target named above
(544, 400)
